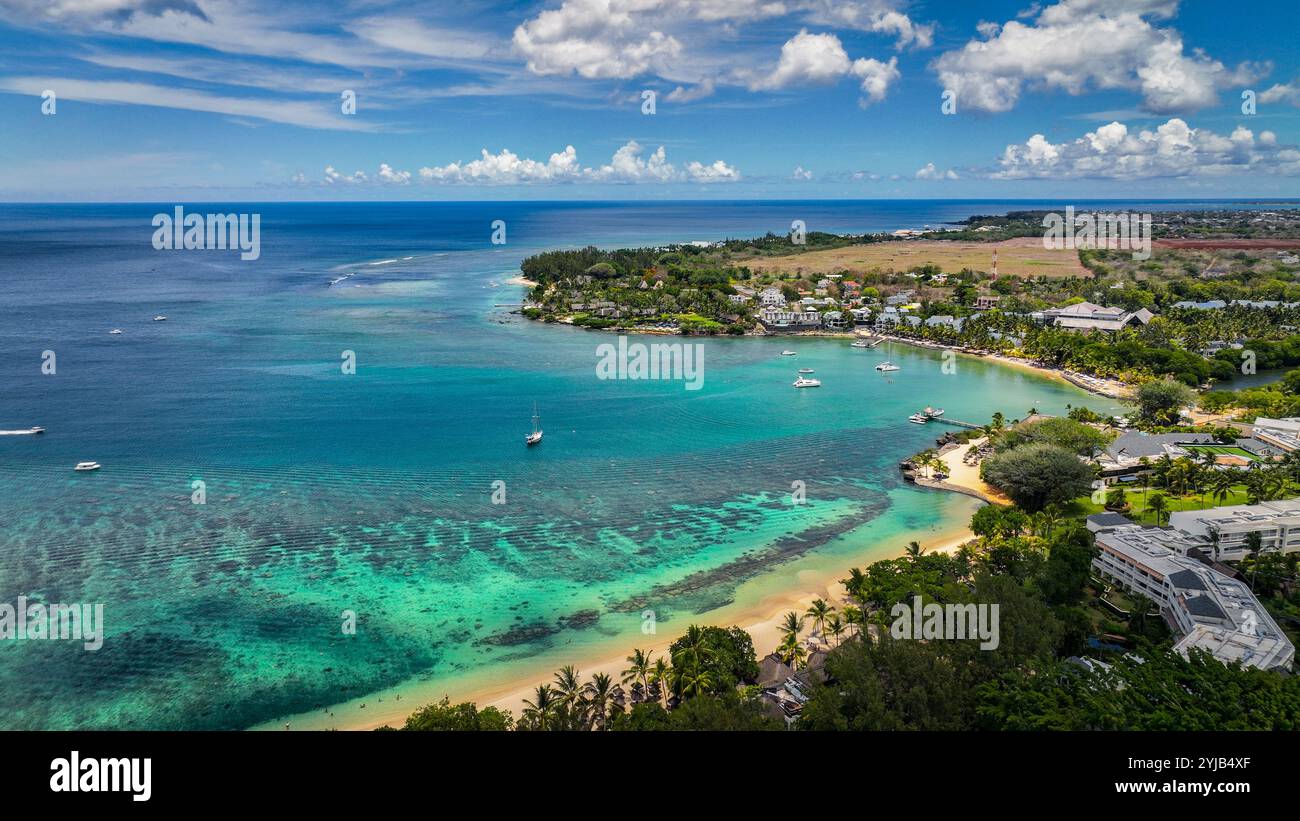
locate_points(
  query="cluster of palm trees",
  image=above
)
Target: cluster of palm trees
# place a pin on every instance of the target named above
(1186, 476)
(571, 704)
(928, 460)
(829, 622)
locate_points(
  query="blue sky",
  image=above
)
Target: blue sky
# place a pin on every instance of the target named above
(223, 100)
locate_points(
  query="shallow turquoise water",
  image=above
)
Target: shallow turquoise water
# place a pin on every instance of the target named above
(372, 492)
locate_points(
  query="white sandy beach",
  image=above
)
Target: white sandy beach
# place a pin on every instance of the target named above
(761, 618)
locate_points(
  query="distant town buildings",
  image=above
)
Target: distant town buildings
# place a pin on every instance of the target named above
(771, 298)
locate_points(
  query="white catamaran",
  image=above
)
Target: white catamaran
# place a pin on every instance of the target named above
(536, 436)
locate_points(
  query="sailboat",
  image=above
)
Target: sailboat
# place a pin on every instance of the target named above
(536, 436)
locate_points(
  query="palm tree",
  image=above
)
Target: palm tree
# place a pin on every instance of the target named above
(856, 580)
(914, 550)
(692, 660)
(791, 651)
(542, 708)
(598, 699)
(792, 625)
(1158, 505)
(835, 626)
(853, 616)
(1254, 545)
(1221, 484)
(661, 675)
(639, 671)
(1137, 618)
(570, 691)
(692, 681)
(818, 611)
(1051, 517)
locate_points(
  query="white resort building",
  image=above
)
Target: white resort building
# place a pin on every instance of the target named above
(1224, 529)
(1207, 609)
(1085, 316)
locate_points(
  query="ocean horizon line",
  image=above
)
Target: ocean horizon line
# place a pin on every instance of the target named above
(1236, 199)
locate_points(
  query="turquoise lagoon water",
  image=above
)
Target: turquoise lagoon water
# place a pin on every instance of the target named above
(373, 492)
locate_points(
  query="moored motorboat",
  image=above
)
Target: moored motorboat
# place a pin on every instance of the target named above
(805, 382)
(806, 370)
(83, 467)
(886, 367)
(917, 419)
(861, 343)
(160, 318)
(788, 353)
(933, 413)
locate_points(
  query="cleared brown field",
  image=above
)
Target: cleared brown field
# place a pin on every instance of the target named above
(1023, 257)
(1228, 244)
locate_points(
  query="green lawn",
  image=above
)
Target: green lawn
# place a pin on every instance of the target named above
(1137, 502)
(1224, 450)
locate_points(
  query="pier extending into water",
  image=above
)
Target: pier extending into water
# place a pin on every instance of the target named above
(957, 422)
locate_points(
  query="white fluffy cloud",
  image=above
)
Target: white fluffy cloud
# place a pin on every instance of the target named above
(695, 43)
(929, 172)
(808, 59)
(1282, 93)
(1173, 149)
(332, 176)
(716, 171)
(876, 77)
(1078, 45)
(506, 167)
(877, 17)
(629, 164)
(388, 175)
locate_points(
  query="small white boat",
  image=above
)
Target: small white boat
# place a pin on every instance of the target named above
(37, 429)
(805, 382)
(861, 343)
(886, 367)
(917, 419)
(536, 436)
(806, 370)
(86, 466)
(788, 353)
(933, 413)
(160, 318)
(116, 331)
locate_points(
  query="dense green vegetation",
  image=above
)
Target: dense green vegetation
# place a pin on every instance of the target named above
(1038, 474)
